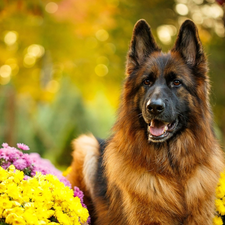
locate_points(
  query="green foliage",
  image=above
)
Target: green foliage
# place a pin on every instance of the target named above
(2, 222)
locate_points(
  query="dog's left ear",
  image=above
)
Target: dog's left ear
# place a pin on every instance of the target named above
(189, 45)
(141, 46)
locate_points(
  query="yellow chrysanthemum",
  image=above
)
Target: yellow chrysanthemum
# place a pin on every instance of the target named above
(220, 206)
(30, 216)
(220, 201)
(18, 176)
(220, 192)
(14, 219)
(11, 169)
(40, 200)
(217, 220)
(67, 171)
(3, 174)
(6, 204)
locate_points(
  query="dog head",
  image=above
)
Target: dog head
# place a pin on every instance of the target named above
(166, 89)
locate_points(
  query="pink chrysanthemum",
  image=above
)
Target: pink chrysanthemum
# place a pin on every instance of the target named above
(20, 164)
(23, 146)
(5, 145)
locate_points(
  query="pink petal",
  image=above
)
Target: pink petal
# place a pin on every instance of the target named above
(23, 146)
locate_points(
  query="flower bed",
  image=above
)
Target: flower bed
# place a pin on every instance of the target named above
(33, 191)
(220, 201)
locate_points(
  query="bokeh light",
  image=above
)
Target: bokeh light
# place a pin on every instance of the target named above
(11, 37)
(182, 9)
(102, 60)
(5, 73)
(29, 60)
(51, 7)
(12, 62)
(213, 11)
(110, 48)
(199, 2)
(53, 86)
(101, 70)
(219, 29)
(102, 35)
(36, 50)
(197, 17)
(165, 33)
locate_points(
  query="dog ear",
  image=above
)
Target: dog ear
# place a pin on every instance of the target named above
(189, 45)
(141, 46)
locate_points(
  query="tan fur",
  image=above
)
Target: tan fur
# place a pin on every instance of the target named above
(84, 165)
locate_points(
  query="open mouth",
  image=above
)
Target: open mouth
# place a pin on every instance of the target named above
(160, 131)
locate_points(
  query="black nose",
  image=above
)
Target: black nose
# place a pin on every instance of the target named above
(155, 106)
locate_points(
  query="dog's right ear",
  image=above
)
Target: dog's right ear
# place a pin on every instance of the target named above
(188, 44)
(141, 46)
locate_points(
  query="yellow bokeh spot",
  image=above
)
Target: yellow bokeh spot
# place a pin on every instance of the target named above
(110, 48)
(198, 2)
(102, 35)
(5, 71)
(11, 37)
(51, 7)
(216, 11)
(53, 86)
(102, 60)
(101, 70)
(182, 9)
(5, 74)
(36, 50)
(29, 60)
(197, 17)
(213, 11)
(219, 29)
(165, 32)
(12, 62)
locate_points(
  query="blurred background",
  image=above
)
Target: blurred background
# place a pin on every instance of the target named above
(62, 64)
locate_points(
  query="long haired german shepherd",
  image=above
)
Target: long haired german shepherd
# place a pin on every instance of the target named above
(162, 162)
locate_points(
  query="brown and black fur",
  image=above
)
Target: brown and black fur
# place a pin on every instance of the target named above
(134, 179)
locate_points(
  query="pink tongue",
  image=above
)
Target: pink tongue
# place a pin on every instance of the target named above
(157, 129)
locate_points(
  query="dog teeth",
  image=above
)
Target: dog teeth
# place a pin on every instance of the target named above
(165, 129)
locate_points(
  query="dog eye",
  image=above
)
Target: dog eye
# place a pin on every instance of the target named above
(176, 83)
(147, 82)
